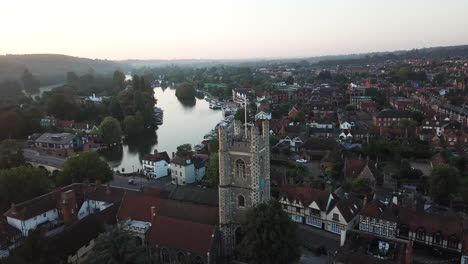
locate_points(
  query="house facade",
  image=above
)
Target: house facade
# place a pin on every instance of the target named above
(156, 165)
(319, 208)
(61, 145)
(188, 170)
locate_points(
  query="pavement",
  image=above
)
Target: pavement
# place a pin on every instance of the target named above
(34, 156)
(141, 182)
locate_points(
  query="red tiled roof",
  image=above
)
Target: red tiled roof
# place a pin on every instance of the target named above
(354, 167)
(180, 234)
(373, 209)
(447, 225)
(7, 233)
(157, 157)
(306, 195)
(137, 206)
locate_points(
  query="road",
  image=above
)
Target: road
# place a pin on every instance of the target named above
(34, 156)
(122, 182)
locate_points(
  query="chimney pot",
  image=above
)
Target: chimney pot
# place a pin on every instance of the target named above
(108, 191)
(13, 207)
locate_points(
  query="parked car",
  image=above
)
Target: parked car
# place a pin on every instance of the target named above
(131, 181)
(301, 161)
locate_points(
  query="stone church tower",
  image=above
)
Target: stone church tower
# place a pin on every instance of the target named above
(244, 176)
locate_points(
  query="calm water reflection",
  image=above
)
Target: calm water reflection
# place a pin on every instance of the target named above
(184, 122)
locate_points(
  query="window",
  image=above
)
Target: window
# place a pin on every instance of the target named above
(336, 217)
(335, 228)
(198, 260)
(240, 168)
(240, 201)
(298, 210)
(420, 234)
(165, 256)
(437, 239)
(180, 257)
(313, 221)
(296, 218)
(452, 242)
(314, 211)
(285, 207)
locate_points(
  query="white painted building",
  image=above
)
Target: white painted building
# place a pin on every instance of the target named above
(188, 170)
(263, 115)
(156, 165)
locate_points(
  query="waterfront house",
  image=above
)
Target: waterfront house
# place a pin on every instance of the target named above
(187, 170)
(156, 165)
(61, 145)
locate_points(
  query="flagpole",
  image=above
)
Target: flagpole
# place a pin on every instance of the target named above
(245, 115)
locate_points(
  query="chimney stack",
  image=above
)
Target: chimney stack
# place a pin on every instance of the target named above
(155, 151)
(153, 212)
(173, 154)
(98, 183)
(364, 202)
(409, 249)
(13, 208)
(108, 191)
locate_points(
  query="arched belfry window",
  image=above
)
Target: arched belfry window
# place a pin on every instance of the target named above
(165, 256)
(240, 168)
(241, 201)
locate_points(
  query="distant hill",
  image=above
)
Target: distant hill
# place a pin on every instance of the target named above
(52, 68)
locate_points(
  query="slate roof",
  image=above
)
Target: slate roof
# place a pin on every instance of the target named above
(349, 207)
(175, 233)
(62, 139)
(195, 194)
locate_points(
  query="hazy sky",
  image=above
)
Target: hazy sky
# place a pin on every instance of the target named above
(214, 29)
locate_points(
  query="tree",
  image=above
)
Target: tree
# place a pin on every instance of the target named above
(359, 185)
(289, 80)
(240, 115)
(444, 181)
(134, 125)
(11, 154)
(213, 169)
(371, 91)
(350, 108)
(269, 236)
(12, 125)
(117, 246)
(86, 166)
(62, 106)
(30, 82)
(110, 129)
(118, 78)
(72, 78)
(407, 124)
(34, 249)
(184, 150)
(21, 184)
(186, 91)
(114, 108)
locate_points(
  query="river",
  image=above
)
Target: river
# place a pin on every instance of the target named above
(183, 123)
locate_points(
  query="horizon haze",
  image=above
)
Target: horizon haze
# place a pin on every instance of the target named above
(208, 29)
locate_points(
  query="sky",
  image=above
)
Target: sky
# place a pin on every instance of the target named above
(227, 29)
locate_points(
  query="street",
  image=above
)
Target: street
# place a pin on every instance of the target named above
(34, 156)
(140, 182)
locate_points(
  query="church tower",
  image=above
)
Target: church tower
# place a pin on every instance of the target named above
(244, 176)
